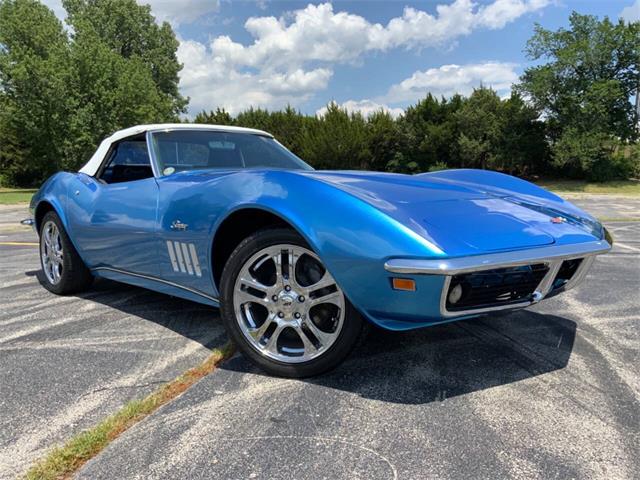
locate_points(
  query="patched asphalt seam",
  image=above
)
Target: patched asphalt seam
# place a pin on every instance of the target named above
(63, 462)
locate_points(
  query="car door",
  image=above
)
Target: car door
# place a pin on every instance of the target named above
(113, 216)
(185, 230)
(189, 205)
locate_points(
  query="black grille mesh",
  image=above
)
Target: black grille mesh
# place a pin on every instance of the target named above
(566, 272)
(490, 288)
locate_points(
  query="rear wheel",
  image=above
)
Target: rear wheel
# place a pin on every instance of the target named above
(64, 271)
(283, 308)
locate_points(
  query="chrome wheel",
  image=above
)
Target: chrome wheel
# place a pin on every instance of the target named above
(51, 252)
(288, 306)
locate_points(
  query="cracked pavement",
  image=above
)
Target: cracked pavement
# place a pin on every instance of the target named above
(548, 392)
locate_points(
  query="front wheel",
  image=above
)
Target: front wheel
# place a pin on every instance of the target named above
(64, 271)
(283, 308)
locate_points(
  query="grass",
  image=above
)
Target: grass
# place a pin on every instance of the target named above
(62, 462)
(620, 187)
(12, 196)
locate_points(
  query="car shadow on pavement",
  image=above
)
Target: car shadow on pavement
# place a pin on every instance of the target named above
(192, 320)
(415, 367)
(444, 361)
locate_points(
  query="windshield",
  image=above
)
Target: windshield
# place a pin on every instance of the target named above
(181, 150)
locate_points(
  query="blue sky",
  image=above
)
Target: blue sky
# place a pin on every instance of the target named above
(364, 55)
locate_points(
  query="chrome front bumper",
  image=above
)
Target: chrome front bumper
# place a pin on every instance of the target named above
(552, 256)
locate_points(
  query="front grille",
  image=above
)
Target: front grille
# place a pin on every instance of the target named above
(566, 272)
(491, 288)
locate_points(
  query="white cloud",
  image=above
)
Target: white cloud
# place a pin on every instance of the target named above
(297, 81)
(366, 107)
(442, 81)
(211, 83)
(274, 69)
(449, 79)
(501, 12)
(292, 57)
(317, 33)
(175, 12)
(178, 12)
(631, 13)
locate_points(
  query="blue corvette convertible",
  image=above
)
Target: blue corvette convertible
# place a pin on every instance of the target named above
(297, 258)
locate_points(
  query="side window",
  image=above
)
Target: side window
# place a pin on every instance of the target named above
(127, 161)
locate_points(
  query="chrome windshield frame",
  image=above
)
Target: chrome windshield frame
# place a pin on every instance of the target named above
(155, 163)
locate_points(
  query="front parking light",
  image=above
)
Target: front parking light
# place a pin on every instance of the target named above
(405, 284)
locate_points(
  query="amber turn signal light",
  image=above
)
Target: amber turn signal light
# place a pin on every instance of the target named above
(405, 284)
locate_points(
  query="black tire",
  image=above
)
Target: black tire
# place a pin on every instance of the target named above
(74, 276)
(335, 354)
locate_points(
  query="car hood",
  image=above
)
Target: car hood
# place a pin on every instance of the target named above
(463, 219)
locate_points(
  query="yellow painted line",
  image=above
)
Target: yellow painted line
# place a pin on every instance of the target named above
(20, 244)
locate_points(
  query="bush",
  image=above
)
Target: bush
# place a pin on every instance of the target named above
(438, 166)
(625, 162)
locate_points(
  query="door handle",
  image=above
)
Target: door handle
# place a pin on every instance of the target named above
(178, 225)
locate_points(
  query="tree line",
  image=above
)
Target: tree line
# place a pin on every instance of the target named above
(63, 89)
(479, 131)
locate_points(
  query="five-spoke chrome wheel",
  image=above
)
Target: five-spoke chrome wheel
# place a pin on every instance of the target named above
(287, 305)
(52, 252)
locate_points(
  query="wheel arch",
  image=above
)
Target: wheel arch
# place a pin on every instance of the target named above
(51, 197)
(352, 237)
(50, 200)
(237, 226)
(43, 207)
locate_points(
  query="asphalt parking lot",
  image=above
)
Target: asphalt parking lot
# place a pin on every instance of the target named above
(549, 392)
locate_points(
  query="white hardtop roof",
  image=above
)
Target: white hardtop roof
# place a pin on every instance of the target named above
(92, 166)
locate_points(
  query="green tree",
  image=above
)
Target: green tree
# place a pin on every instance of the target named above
(385, 141)
(125, 72)
(130, 31)
(337, 140)
(480, 127)
(585, 89)
(522, 146)
(61, 93)
(218, 117)
(35, 94)
(430, 131)
(289, 127)
(254, 118)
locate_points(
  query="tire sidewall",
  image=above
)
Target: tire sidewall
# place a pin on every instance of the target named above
(347, 338)
(75, 275)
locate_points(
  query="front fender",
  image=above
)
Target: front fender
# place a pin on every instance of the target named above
(353, 239)
(54, 192)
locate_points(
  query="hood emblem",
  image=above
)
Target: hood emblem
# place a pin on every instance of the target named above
(558, 219)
